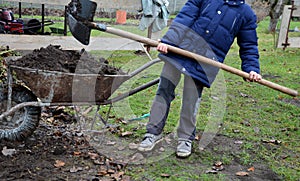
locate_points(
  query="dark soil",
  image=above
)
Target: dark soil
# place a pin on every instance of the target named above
(54, 58)
(59, 151)
(56, 151)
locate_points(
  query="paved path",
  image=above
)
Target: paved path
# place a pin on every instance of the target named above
(31, 42)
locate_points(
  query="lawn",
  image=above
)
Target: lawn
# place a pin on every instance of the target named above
(244, 126)
(262, 123)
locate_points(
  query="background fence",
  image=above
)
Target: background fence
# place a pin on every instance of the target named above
(102, 5)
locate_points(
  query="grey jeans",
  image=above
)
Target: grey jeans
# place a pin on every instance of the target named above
(165, 94)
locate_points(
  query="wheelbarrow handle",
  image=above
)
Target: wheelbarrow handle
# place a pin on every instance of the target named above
(191, 55)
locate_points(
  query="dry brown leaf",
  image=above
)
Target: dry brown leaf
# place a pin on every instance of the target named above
(272, 141)
(211, 172)
(102, 173)
(59, 163)
(251, 169)
(117, 175)
(165, 175)
(110, 143)
(218, 168)
(76, 153)
(50, 120)
(218, 163)
(126, 133)
(98, 162)
(75, 169)
(241, 173)
(198, 137)
(93, 156)
(126, 178)
(110, 171)
(133, 146)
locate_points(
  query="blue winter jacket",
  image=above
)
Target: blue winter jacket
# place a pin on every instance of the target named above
(208, 28)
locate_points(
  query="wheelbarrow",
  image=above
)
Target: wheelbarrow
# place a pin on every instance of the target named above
(21, 103)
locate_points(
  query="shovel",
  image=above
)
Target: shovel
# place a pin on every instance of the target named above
(80, 15)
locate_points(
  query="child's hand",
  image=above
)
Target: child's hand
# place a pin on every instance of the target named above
(163, 48)
(253, 76)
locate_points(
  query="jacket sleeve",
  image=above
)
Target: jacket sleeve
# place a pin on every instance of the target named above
(247, 41)
(182, 22)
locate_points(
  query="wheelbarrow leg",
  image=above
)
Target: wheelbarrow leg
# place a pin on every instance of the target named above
(97, 115)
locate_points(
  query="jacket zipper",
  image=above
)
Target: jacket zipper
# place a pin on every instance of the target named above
(234, 21)
(205, 8)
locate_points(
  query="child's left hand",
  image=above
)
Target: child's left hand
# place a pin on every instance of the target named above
(162, 47)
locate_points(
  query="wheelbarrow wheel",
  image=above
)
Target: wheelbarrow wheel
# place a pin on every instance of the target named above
(23, 122)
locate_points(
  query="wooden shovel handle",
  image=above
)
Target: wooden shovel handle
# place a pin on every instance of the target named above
(191, 55)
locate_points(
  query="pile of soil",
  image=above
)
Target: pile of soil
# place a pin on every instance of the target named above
(53, 58)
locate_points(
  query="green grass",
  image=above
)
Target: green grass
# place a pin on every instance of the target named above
(256, 113)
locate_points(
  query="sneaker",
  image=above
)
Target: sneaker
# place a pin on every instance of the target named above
(184, 148)
(149, 141)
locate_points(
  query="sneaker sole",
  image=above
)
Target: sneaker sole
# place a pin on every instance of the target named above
(183, 155)
(142, 149)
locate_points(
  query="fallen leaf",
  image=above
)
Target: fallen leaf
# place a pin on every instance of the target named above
(137, 157)
(218, 163)
(276, 142)
(8, 152)
(235, 131)
(198, 137)
(133, 146)
(242, 173)
(218, 168)
(50, 120)
(251, 169)
(59, 163)
(102, 173)
(215, 98)
(126, 133)
(211, 172)
(93, 156)
(110, 171)
(243, 95)
(79, 134)
(110, 143)
(161, 149)
(165, 175)
(98, 162)
(76, 153)
(75, 169)
(117, 175)
(120, 148)
(238, 142)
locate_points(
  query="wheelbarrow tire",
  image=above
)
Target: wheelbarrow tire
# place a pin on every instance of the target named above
(30, 118)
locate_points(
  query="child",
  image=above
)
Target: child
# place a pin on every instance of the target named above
(206, 27)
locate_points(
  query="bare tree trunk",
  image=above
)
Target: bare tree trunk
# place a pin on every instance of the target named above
(275, 13)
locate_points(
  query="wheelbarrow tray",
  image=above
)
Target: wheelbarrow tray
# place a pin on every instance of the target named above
(59, 87)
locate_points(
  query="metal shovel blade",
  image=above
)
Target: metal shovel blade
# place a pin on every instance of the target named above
(78, 12)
